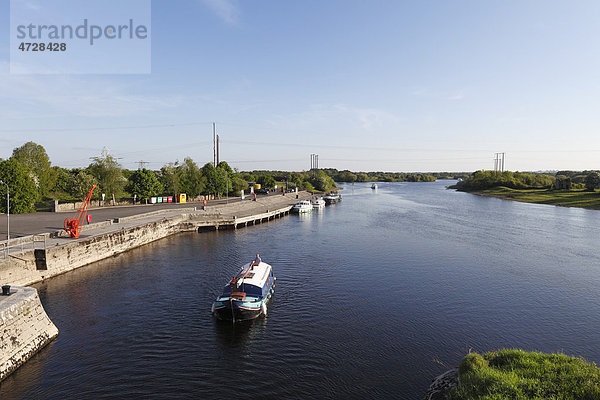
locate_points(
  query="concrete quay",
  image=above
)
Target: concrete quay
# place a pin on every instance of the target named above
(25, 328)
(51, 253)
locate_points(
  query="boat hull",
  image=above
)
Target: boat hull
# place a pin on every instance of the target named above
(238, 314)
(235, 310)
(302, 210)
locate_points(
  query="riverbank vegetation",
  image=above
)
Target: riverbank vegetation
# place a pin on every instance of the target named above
(516, 374)
(481, 180)
(349, 176)
(34, 183)
(565, 188)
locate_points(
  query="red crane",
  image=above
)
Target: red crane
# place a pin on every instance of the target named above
(73, 225)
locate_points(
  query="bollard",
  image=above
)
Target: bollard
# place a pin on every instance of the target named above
(6, 290)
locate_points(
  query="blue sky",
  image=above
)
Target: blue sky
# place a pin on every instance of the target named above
(367, 85)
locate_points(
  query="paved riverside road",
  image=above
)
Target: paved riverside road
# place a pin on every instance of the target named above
(42, 222)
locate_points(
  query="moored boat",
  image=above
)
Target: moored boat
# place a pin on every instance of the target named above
(246, 296)
(317, 202)
(303, 206)
(332, 198)
(374, 186)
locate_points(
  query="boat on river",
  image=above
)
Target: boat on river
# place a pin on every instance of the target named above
(332, 198)
(246, 296)
(317, 202)
(374, 186)
(302, 207)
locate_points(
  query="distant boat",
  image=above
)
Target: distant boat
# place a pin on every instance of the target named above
(332, 198)
(374, 186)
(317, 202)
(302, 207)
(247, 294)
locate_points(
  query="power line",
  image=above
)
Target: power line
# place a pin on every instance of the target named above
(102, 128)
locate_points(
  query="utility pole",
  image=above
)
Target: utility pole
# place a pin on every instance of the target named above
(499, 162)
(314, 163)
(142, 164)
(217, 150)
(214, 145)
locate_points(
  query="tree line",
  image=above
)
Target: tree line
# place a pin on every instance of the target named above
(379, 176)
(481, 180)
(31, 178)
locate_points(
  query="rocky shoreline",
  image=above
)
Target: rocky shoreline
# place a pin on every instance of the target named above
(441, 385)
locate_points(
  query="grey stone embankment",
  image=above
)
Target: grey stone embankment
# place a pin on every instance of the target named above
(442, 385)
(107, 238)
(25, 328)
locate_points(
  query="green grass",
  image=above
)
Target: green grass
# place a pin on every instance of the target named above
(520, 375)
(565, 198)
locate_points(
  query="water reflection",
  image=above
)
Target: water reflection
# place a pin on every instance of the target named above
(242, 333)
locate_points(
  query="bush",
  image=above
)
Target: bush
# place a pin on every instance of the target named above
(516, 374)
(481, 180)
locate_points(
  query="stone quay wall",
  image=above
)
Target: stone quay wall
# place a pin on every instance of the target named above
(25, 328)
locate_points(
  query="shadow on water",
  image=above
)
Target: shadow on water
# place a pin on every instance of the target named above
(242, 333)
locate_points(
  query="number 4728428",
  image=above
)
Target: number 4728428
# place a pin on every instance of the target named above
(42, 46)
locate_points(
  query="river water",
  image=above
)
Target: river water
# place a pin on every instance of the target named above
(375, 296)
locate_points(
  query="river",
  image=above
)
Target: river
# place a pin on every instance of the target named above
(375, 297)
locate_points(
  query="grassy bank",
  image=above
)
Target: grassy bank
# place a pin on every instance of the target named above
(565, 198)
(516, 374)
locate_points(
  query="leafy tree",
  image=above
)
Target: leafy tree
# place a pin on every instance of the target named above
(362, 177)
(238, 184)
(144, 184)
(108, 173)
(190, 178)
(81, 183)
(64, 178)
(307, 186)
(266, 181)
(169, 178)
(23, 192)
(210, 175)
(223, 183)
(34, 157)
(224, 174)
(322, 182)
(592, 181)
(296, 179)
(480, 180)
(248, 177)
(346, 176)
(224, 166)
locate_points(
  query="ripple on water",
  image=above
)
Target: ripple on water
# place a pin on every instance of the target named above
(372, 294)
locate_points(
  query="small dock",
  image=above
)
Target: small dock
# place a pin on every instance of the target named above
(241, 222)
